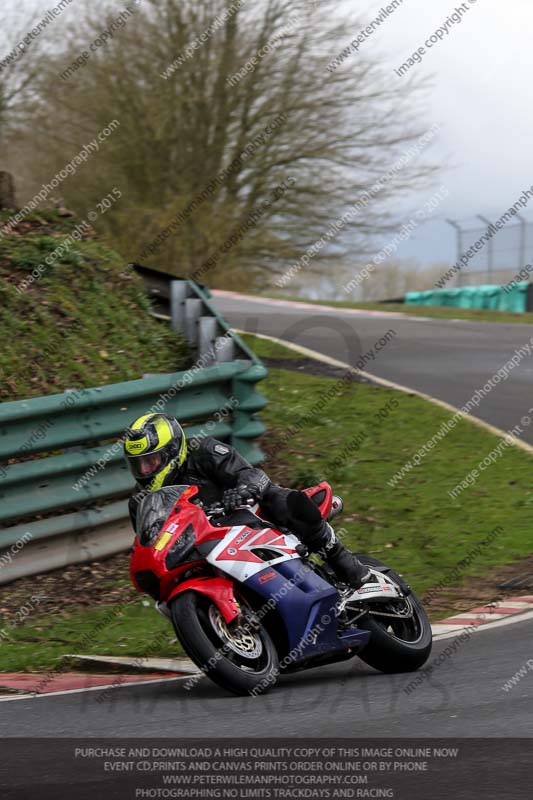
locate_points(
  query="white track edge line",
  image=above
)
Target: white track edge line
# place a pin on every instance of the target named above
(35, 696)
(397, 386)
(489, 626)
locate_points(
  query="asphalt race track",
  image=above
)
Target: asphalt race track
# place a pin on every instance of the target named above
(447, 359)
(462, 698)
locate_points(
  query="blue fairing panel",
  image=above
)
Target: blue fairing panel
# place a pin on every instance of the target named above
(307, 606)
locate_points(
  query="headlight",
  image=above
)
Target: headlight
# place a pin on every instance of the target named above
(148, 536)
(181, 548)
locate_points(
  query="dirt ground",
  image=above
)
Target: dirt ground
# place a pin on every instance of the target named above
(84, 586)
(312, 367)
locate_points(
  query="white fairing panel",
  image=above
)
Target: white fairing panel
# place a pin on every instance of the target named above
(235, 554)
(380, 587)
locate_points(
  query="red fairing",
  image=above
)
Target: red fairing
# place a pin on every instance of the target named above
(219, 590)
(153, 558)
(148, 566)
(325, 505)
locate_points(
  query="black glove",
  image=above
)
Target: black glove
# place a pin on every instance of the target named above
(238, 496)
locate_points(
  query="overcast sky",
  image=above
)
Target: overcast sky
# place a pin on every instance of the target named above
(482, 97)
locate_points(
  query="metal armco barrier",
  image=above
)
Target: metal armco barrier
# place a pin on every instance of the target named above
(79, 481)
(187, 306)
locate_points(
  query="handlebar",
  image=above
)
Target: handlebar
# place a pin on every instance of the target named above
(213, 511)
(216, 510)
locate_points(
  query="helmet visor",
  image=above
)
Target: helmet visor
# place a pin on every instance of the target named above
(146, 466)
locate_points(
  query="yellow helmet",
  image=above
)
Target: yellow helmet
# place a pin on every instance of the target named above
(155, 446)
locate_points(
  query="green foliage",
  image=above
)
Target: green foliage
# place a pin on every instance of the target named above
(27, 255)
(84, 322)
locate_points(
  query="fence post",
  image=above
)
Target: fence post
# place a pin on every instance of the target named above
(207, 334)
(178, 295)
(193, 311)
(225, 349)
(490, 248)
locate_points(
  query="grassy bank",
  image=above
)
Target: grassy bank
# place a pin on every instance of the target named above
(436, 312)
(80, 321)
(358, 440)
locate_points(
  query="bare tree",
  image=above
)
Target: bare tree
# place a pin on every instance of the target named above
(237, 147)
(20, 66)
(7, 190)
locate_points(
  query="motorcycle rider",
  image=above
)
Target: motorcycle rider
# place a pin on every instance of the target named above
(157, 454)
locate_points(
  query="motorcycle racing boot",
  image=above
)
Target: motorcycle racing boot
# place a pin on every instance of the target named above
(343, 562)
(319, 537)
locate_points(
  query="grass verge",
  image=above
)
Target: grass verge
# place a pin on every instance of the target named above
(116, 630)
(357, 437)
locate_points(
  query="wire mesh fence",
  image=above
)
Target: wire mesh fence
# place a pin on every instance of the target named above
(503, 255)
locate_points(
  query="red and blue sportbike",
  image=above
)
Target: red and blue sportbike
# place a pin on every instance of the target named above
(248, 603)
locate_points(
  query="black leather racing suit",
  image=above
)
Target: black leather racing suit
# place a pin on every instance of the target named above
(214, 467)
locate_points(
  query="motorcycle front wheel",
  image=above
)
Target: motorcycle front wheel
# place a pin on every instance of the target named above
(240, 658)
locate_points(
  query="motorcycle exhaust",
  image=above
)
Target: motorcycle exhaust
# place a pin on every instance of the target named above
(337, 507)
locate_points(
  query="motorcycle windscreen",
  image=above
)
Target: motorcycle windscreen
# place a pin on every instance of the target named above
(154, 511)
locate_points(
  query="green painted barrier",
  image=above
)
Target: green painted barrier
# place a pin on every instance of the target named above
(512, 298)
(86, 519)
(75, 436)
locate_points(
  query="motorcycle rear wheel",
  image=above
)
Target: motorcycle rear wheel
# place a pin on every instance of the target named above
(396, 645)
(242, 661)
